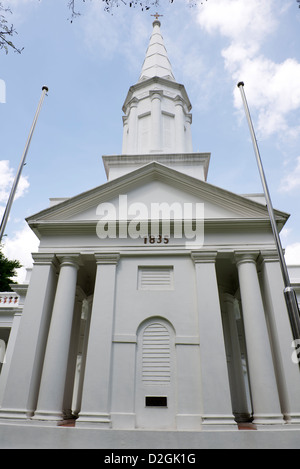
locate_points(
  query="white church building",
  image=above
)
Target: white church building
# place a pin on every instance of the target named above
(154, 315)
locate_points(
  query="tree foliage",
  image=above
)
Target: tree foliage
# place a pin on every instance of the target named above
(6, 31)
(7, 272)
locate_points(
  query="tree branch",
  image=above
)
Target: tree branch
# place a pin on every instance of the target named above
(6, 31)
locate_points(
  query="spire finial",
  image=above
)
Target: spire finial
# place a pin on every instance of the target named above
(156, 17)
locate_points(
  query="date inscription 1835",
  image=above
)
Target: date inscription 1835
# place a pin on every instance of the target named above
(156, 239)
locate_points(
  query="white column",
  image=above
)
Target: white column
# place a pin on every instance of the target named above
(189, 144)
(9, 352)
(288, 376)
(238, 390)
(156, 122)
(20, 393)
(216, 399)
(52, 388)
(96, 394)
(21, 290)
(265, 400)
(87, 314)
(180, 126)
(132, 129)
(73, 352)
(125, 135)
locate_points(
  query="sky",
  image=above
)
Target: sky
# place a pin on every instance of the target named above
(89, 65)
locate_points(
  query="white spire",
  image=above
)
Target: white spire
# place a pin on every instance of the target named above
(157, 109)
(156, 63)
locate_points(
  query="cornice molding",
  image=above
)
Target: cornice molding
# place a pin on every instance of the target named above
(156, 80)
(147, 173)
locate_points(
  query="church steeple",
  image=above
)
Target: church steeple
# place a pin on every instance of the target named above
(157, 109)
(156, 63)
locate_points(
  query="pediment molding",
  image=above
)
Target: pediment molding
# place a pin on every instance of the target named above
(243, 208)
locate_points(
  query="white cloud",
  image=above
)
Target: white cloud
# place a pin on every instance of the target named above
(20, 247)
(239, 20)
(292, 254)
(7, 175)
(272, 89)
(291, 180)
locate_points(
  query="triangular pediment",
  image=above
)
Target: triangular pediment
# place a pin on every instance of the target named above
(154, 184)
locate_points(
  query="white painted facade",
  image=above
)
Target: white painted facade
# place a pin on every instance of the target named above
(152, 337)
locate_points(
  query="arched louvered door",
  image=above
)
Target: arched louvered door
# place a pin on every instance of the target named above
(155, 387)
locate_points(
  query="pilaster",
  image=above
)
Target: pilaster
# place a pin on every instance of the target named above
(216, 399)
(156, 121)
(131, 145)
(180, 125)
(95, 406)
(20, 394)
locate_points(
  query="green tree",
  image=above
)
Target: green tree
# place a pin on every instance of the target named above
(7, 272)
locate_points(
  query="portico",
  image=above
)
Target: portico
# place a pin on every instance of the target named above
(131, 329)
(225, 384)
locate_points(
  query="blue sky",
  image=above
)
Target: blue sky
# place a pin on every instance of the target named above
(89, 66)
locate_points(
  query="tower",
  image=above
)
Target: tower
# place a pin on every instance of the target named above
(157, 109)
(154, 302)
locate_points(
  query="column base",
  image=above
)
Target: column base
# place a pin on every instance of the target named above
(210, 422)
(98, 420)
(292, 419)
(48, 416)
(15, 414)
(243, 417)
(268, 419)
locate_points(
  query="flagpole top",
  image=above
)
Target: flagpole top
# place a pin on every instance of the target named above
(240, 83)
(45, 88)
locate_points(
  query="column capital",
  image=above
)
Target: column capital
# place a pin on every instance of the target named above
(133, 103)
(204, 257)
(241, 257)
(228, 298)
(156, 94)
(179, 101)
(44, 258)
(268, 255)
(107, 258)
(70, 259)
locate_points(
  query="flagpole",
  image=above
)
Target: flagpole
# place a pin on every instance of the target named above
(22, 163)
(289, 293)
